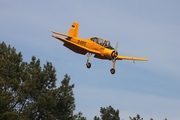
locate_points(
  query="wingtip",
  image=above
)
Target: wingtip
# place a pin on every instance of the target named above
(53, 31)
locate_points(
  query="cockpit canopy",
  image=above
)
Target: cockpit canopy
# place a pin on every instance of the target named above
(102, 42)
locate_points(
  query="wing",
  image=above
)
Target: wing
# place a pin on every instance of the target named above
(76, 47)
(131, 58)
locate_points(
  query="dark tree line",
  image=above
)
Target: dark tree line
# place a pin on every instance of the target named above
(29, 92)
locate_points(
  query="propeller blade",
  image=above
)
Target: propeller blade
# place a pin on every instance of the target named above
(116, 48)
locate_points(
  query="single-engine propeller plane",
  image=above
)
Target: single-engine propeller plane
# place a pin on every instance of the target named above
(101, 48)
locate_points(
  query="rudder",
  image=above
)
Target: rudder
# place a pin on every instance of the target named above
(74, 29)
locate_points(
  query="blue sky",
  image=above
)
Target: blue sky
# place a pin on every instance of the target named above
(143, 28)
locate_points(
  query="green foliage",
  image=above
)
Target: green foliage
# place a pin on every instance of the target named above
(136, 118)
(79, 117)
(108, 113)
(96, 118)
(65, 100)
(29, 92)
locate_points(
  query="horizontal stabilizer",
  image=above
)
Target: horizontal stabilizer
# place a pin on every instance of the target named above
(66, 35)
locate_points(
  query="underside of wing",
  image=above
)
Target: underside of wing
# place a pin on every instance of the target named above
(131, 58)
(76, 47)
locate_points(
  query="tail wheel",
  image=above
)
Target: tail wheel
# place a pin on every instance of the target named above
(112, 71)
(88, 65)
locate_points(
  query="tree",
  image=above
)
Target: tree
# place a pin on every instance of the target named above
(10, 70)
(65, 100)
(136, 118)
(29, 92)
(108, 113)
(79, 116)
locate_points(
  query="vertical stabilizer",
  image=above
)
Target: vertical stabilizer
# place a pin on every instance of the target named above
(74, 29)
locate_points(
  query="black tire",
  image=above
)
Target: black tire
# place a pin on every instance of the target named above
(112, 70)
(88, 65)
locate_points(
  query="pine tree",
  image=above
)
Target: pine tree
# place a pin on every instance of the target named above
(65, 100)
(10, 70)
(29, 92)
(136, 118)
(108, 113)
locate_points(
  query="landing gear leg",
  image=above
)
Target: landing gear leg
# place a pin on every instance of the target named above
(112, 70)
(88, 64)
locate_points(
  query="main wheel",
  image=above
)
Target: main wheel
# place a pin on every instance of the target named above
(88, 65)
(112, 71)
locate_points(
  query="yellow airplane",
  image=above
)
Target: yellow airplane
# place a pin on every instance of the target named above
(101, 48)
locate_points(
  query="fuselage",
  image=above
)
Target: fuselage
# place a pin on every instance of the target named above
(95, 44)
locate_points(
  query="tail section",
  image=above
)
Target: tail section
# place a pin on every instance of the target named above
(74, 29)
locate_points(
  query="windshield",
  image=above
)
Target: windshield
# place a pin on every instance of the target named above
(102, 42)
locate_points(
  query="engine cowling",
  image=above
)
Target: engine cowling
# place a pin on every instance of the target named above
(110, 54)
(114, 54)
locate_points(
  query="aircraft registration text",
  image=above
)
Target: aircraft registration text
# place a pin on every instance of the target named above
(82, 42)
